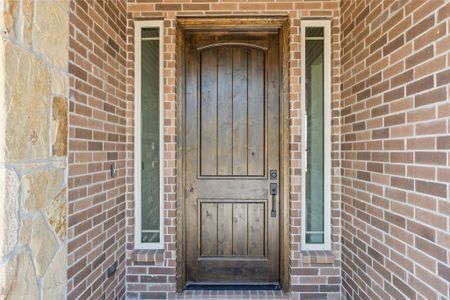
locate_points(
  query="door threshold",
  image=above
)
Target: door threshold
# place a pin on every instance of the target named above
(196, 286)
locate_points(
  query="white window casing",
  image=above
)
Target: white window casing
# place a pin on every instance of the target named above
(138, 26)
(326, 25)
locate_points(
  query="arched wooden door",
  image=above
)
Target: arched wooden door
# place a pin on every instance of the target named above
(232, 157)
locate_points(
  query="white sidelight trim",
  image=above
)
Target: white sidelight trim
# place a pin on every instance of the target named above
(138, 26)
(326, 25)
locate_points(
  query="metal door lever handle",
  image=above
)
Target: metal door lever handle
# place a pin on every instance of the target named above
(273, 192)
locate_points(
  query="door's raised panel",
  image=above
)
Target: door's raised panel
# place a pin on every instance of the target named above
(232, 229)
(232, 112)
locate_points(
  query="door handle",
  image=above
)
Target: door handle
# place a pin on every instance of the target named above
(273, 192)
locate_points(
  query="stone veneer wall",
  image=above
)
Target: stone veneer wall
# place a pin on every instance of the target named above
(152, 274)
(97, 139)
(33, 148)
(395, 149)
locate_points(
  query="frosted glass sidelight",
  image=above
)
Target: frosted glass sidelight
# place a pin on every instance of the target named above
(314, 83)
(150, 136)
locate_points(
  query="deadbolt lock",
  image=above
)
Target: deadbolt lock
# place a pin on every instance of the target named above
(273, 175)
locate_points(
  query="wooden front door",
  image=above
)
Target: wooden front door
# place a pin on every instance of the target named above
(232, 157)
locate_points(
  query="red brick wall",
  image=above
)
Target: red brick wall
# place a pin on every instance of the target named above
(391, 145)
(395, 138)
(97, 138)
(318, 277)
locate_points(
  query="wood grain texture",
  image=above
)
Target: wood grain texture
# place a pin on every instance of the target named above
(190, 137)
(284, 154)
(180, 153)
(225, 229)
(208, 112)
(256, 229)
(225, 112)
(233, 229)
(227, 222)
(229, 23)
(208, 225)
(256, 108)
(189, 268)
(240, 225)
(232, 125)
(240, 111)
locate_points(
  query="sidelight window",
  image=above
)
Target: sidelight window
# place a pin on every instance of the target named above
(148, 135)
(316, 137)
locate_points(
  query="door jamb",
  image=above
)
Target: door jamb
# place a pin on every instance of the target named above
(281, 23)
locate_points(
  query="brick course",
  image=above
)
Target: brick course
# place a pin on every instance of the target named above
(392, 205)
(390, 149)
(326, 281)
(97, 138)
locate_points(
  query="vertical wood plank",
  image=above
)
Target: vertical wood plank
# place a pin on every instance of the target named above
(209, 229)
(239, 111)
(225, 112)
(225, 229)
(256, 110)
(191, 240)
(240, 229)
(273, 143)
(256, 236)
(208, 125)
